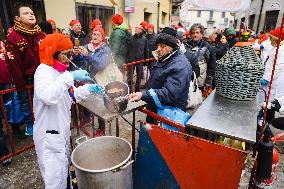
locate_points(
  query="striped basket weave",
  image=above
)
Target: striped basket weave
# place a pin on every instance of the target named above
(238, 74)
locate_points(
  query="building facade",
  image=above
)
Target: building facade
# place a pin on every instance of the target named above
(63, 11)
(263, 15)
(190, 14)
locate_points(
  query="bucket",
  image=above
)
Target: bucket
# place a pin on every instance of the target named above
(103, 163)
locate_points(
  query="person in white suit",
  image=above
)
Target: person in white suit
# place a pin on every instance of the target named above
(54, 92)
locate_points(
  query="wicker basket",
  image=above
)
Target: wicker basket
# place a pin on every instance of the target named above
(238, 74)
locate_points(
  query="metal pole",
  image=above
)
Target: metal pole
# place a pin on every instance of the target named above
(158, 16)
(259, 18)
(273, 71)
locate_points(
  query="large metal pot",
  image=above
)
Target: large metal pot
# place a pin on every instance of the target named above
(116, 96)
(103, 163)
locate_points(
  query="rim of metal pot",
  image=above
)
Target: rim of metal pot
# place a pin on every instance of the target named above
(120, 82)
(102, 170)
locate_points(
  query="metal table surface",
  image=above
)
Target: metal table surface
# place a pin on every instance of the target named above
(234, 119)
(95, 104)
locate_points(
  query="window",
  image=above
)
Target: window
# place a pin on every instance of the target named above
(223, 14)
(270, 20)
(251, 20)
(147, 16)
(164, 17)
(199, 13)
(86, 13)
(211, 14)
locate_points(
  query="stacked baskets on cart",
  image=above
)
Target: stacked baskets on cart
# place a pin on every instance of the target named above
(238, 74)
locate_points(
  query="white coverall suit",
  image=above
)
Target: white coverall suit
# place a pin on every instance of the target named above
(277, 89)
(51, 134)
(265, 50)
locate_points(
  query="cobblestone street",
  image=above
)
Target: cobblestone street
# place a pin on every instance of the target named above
(24, 171)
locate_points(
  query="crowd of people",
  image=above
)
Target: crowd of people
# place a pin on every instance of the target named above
(40, 55)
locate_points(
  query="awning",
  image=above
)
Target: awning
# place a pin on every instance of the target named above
(216, 5)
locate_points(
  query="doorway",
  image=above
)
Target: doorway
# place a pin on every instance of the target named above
(270, 20)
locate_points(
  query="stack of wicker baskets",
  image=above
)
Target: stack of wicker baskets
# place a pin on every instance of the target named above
(238, 74)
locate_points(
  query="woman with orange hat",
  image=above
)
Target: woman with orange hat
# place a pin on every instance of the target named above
(54, 93)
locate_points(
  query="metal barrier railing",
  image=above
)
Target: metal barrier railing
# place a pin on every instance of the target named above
(8, 129)
(129, 67)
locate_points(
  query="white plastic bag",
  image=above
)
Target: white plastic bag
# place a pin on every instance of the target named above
(195, 95)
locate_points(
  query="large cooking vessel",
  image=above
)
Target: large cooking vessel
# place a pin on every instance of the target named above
(116, 96)
(103, 163)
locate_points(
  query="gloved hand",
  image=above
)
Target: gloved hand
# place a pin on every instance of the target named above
(81, 75)
(264, 83)
(271, 108)
(95, 88)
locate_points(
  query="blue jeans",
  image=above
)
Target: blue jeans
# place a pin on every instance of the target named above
(3, 147)
(24, 106)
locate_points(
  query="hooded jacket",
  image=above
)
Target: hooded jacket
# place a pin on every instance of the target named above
(119, 42)
(4, 74)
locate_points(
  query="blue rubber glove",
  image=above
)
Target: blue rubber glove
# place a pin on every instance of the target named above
(264, 82)
(81, 75)
(95, 88)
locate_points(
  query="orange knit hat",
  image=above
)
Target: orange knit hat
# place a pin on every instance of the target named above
(51, 44)
(276, 33)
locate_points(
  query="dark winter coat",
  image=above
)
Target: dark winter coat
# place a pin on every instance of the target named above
(80, 36)
(151, 39)
(119, 42)
(170, 79)
(207, 54)
(139, 48)
(221, 50)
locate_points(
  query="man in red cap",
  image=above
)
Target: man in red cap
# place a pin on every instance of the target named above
(23, 44)
(144, 24)
(151, 39)
(76, 34)
(78, 39)
(119, 40)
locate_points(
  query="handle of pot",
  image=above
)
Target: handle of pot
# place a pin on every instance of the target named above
(81, 140)
(127, 164)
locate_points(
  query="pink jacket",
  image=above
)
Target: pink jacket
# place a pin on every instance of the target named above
(5, 77)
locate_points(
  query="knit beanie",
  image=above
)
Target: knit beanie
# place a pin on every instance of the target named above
(168, 37)
(73, 22)
(101, 30)
(276, 33)
(51, 44)
(95, 23)
(144, 24)
(151, 26)
(117, 19)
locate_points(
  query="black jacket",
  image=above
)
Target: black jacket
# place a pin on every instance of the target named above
(221, 50)
(170, 79)
(80, 36)
(138, 48)
(209, 55)
(151, 39)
